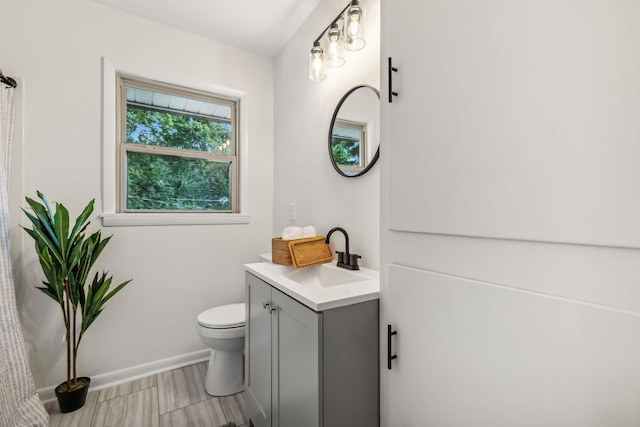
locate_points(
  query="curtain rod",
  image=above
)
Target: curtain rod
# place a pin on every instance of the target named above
(7, 80)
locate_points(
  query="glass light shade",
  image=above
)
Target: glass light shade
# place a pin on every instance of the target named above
(333, 46)
(354, 27)
(317, 68)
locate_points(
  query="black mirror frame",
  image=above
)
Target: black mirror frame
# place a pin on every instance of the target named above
(374, 159)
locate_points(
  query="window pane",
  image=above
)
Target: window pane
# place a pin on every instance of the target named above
(346, 147)
(346, 152)
(160, 182)
(164, 129)
(166, 119)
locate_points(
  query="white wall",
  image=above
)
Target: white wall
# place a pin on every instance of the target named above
(303, 172)
(54, 49)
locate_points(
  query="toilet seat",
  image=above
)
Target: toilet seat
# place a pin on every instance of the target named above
(223, 317)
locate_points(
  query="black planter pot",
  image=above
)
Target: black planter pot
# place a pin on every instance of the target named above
(71, 400)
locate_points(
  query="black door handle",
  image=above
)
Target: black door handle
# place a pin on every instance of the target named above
(392, 69)
(390, 355)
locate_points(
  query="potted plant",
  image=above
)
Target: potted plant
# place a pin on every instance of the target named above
(67, 256)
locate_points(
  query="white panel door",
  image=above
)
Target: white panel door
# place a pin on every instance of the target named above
(515, 119)
(476, 354)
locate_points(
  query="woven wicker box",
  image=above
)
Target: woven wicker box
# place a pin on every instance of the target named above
(300, 252)
(308, 252)
(280, 253)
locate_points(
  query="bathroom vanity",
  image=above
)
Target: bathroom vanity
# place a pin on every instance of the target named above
(312, 346)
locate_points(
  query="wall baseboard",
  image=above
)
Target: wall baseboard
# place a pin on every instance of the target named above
(110, 379)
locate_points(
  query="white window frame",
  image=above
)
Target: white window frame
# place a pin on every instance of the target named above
(110, 214)
(362, 128)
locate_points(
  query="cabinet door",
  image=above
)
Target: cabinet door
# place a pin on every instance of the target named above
(297, 399)
(258, 352)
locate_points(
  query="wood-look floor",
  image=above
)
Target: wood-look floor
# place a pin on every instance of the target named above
(170, 399)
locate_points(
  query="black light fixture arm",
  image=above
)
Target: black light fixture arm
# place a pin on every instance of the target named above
(336, 19)
(7, 80)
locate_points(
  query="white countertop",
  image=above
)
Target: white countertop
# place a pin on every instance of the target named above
(314, 296)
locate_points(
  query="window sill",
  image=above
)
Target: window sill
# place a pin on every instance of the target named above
(143, 219)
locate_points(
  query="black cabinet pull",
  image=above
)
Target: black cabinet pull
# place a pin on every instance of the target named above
(390, 355)
(268, 306)
(392, 69)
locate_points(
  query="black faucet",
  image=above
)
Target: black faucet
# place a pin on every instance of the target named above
(345, 259)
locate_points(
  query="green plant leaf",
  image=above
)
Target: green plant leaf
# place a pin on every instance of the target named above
(61, 227)
(47, 206)
(47, 291)
(83, 218)
(115, 291)
(42, 240)
(44, 218)
(97, 297)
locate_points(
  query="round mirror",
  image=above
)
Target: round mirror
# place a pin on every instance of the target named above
(354, 132)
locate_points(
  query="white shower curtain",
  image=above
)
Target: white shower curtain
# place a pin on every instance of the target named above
(19, 403)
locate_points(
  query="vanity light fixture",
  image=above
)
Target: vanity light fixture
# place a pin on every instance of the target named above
(335, 57)
(317, 69)
(354, 30)
(345, 31)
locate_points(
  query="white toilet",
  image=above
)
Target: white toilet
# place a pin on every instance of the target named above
(222, 329)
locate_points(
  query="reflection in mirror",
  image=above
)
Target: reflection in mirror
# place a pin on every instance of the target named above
(354, 131)
(347, 147)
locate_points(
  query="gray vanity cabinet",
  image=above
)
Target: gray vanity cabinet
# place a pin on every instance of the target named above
(308, 368)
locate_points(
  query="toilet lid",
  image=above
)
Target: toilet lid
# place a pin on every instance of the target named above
(224, 316)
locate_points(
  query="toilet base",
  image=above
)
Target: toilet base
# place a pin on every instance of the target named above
(225, 373)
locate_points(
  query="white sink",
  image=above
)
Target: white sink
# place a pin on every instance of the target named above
(324, 275)
(320, 287)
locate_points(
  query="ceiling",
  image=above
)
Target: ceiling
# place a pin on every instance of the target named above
(260, 26)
